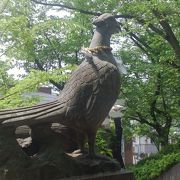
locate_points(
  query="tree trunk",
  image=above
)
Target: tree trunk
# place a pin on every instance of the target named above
(163, 134)
(117, 151)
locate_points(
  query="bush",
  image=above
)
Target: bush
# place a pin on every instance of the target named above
(102, 142)
(153, 166)
(172, 148)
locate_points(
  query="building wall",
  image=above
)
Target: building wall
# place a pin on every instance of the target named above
(142, 147)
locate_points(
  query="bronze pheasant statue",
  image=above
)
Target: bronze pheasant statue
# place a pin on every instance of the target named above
(88, 95)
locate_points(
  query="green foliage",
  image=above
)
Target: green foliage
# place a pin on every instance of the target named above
(171, 148)
(106, 140)
(96, 6)
(151, 86)
(6, 80)
(37, 36)
(102, 142)
(152, 167)
(17, 95)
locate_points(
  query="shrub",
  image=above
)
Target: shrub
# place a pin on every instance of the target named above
(153, 166)
(102, 142)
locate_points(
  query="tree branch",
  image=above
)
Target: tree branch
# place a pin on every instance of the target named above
(4, 6)
(151, 26)
(81, 10)
(68, 7)
(141, 119)
(58, 85)
(154, 109)
(165, 112)
(170, 36)
(139, 40)
(55, 51)
(16, 92)
(156, 94)
(139, 45)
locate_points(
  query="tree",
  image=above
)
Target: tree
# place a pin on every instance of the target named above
(40, 41)
(17, 95)
(151, 87)
(151, 51)
(6, 80)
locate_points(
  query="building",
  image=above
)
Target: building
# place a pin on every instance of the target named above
(45, 94)
(142, 147)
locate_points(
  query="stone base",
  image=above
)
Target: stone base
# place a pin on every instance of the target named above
(171, 174)
(50, 162)
(117, 175)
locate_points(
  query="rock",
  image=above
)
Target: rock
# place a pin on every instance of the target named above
(50, 163)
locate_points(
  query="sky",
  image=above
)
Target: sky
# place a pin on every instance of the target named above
(16, 72)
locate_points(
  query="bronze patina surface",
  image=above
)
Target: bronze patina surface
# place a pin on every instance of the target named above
(87, 97)
(82, 106)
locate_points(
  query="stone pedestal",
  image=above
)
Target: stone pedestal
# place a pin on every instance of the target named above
(171, 174)
(117, 175)
(50, 162)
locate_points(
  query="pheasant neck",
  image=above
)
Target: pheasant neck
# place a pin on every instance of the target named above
(100, 38)
(101, 41)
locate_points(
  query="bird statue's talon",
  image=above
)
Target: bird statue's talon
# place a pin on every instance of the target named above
(80, 151)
